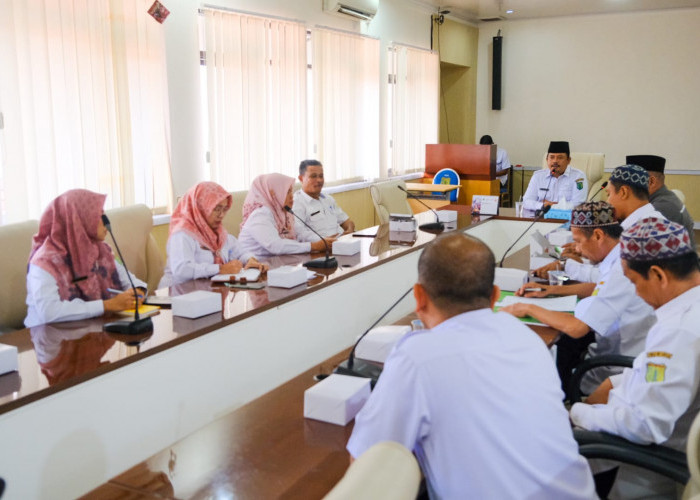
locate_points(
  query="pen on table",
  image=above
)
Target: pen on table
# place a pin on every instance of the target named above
(534, 290)
(115, 291)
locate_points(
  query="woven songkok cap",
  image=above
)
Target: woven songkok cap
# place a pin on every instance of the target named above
(654, 238)
(593, 214)
(632, 175)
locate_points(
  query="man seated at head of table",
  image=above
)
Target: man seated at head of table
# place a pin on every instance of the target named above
(560, 180)
(657, 399)
(628, 193)
(475, 396)
(198, 245)
(619, 318)
(72, 272)
(318, 210)
(268, 226)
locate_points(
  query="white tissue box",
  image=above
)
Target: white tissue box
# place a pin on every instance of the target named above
(560, 238)
(447, 215)
(336, 399)
(402, 222)
(510, 279)
(346, 247)
(379, 342)
(196, 304)
(286, 276)
(8, 359)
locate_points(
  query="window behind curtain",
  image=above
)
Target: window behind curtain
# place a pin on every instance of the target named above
(345, 70)
(256, 95)
(83, 95)
(413, 89)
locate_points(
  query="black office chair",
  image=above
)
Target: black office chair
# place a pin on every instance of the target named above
(2, 486)
(574, 389)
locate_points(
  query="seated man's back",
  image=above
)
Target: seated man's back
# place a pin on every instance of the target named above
(477, 399)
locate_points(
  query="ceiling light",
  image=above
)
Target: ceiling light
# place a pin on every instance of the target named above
(509, 12)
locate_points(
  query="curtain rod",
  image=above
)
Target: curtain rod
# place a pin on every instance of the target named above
(247, 13)
(347, 32)
(399, 44)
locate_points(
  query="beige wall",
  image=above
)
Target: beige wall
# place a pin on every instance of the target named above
(617, 84)
(457, 44)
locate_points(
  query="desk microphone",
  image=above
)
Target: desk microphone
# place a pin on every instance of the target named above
(365, 369)
(430, 226)
(602, 186)
(542, 212)
(126, 327)
(327, 263)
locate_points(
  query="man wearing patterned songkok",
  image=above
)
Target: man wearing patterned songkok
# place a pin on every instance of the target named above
(663, 199)
(656, 400)
(618, 317)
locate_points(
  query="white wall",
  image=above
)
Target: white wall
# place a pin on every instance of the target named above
(396, 20)
(618, 84)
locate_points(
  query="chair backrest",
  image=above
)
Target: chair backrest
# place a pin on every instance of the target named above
(16, 243)
(692, 488)
(132, 229)
(387, 470)
(680, 194)
(451, 177)
(234, 217)
(593, 165)
(389, 199)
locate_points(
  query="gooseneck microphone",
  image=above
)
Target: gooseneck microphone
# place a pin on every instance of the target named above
(430, 226)
(327, 263)
(363, 369)
(137, 326)
(544, 211)
(602, 186)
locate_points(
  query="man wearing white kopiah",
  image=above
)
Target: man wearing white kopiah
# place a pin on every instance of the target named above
(476, 396)
(657, 399)
(318, 210)
(560, 180)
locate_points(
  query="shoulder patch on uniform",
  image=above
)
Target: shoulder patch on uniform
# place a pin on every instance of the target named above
(579, 183)
(655, 372)
(659, 354)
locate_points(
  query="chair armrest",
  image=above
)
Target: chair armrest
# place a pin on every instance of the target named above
(574, 391)
(660, 459)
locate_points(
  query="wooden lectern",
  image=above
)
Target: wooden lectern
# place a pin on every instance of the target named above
(475, 164)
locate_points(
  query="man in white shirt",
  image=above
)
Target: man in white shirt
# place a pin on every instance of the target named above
(657, 399)
(318, 210)
(476, 396)
(502, 160)
(560, 180)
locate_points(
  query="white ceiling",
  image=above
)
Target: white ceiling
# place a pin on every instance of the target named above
(478, 10)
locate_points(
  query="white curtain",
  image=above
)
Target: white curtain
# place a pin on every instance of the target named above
(83, 95)
(256, 92)
(414, 106)
(346, 78)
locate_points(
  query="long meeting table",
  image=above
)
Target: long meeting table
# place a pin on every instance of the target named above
(87, 406)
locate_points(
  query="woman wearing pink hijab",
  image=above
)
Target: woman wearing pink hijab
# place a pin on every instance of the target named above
(267, 228)
(71, 269)
(199, 246)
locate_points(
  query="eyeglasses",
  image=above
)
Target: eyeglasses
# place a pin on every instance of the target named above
(220, 210)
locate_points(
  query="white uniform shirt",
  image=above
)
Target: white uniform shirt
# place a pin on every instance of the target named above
(656, 400)
(323, 215)
(259, 236)
(572, 185)
(188, 260)
(502, 163)
(619, 317)
(478, 400)
(44, 304)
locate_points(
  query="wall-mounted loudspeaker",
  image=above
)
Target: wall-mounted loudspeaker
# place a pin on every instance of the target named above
(496, 74)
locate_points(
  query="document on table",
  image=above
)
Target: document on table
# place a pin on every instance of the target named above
(561, 304)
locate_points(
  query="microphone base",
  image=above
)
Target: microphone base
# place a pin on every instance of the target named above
(130, 327)
(362, 369)
(432, 226)
(324, 263)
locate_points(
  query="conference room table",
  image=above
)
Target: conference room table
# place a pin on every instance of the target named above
(226, 388)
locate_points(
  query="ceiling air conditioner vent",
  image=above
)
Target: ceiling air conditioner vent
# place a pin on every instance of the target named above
(364, 10)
